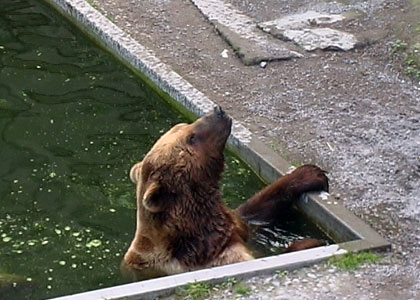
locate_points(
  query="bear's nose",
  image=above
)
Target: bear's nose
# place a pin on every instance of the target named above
(219, 111)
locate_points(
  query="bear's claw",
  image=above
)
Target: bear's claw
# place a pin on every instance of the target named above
(309, 178)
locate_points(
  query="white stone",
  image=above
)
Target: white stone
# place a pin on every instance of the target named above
(321, 38)
(225, 53)
(324, 195)
(299, 21)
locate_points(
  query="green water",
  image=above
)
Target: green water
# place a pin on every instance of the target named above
(72, 122)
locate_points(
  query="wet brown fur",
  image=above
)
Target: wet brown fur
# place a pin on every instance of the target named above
(182, 222)
(304, 244)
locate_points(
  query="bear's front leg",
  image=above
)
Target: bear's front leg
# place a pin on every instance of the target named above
(136, 268)
(134, 260)
(140, 249)
(268, 204)
(307, 178)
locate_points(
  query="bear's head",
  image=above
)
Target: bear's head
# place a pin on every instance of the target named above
(184, 160)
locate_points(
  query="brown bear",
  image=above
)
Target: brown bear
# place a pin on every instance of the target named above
(182, 222)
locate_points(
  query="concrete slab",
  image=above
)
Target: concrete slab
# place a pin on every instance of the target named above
(303, 30)
(241, 32)
(321, 38)
(299, 21)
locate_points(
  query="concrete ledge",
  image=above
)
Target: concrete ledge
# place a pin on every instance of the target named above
(165, 285)
(351, 233)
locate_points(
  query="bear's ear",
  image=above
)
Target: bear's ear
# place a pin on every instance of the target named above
(151, 198)
(135, 172)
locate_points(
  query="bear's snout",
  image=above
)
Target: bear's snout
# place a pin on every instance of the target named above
(220, 113)
(214, 126)
(219, 118)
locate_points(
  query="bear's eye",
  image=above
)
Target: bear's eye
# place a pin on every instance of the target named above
(192, 139)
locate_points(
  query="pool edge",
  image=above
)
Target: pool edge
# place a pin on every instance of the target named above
(327, 212)
(153, 287)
